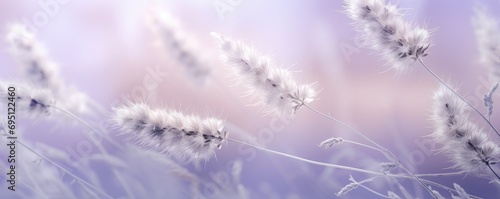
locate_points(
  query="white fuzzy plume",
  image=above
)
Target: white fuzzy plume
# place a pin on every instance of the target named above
(36, 65)
(30, 100)
(449, 115)
(181, 46)
(488, 38)
(33, 58)
(385, 30)
(186, 136)
(468, 146)
(276, 89)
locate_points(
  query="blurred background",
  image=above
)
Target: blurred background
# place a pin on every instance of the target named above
(106, 49)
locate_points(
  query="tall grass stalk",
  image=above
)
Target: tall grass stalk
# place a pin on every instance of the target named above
(458, 95)
(66, 171)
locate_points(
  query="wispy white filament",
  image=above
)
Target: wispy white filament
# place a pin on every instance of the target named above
(181, 47)
(468, 146)
(36, 65)
(487, 33)
(385, 30)
(168, 131)
(276, 89)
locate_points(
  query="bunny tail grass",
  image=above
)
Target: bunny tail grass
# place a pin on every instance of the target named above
(458, 95)
(469, 147)
(386, 31)
(33, 59)
(34, 102)
(275, 88)
(181, 47)
(31, 101)
(185, 136)
(487, 33)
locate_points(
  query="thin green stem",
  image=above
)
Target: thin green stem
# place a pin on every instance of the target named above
(458, 95)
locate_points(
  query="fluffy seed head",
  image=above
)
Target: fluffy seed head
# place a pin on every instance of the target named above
(29, 99)
(449, 115)
(33, 58)
(475, 152)
(386, 31)
(275, 88)
(468, 146)
(185, 136)
(36, 65)
(181, 47)
(488, 40)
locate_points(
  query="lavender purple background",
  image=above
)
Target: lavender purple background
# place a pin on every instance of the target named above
(103, 48)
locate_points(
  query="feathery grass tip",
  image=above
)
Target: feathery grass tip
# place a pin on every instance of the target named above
(276, 89)
(185, 136)
(385, 30)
